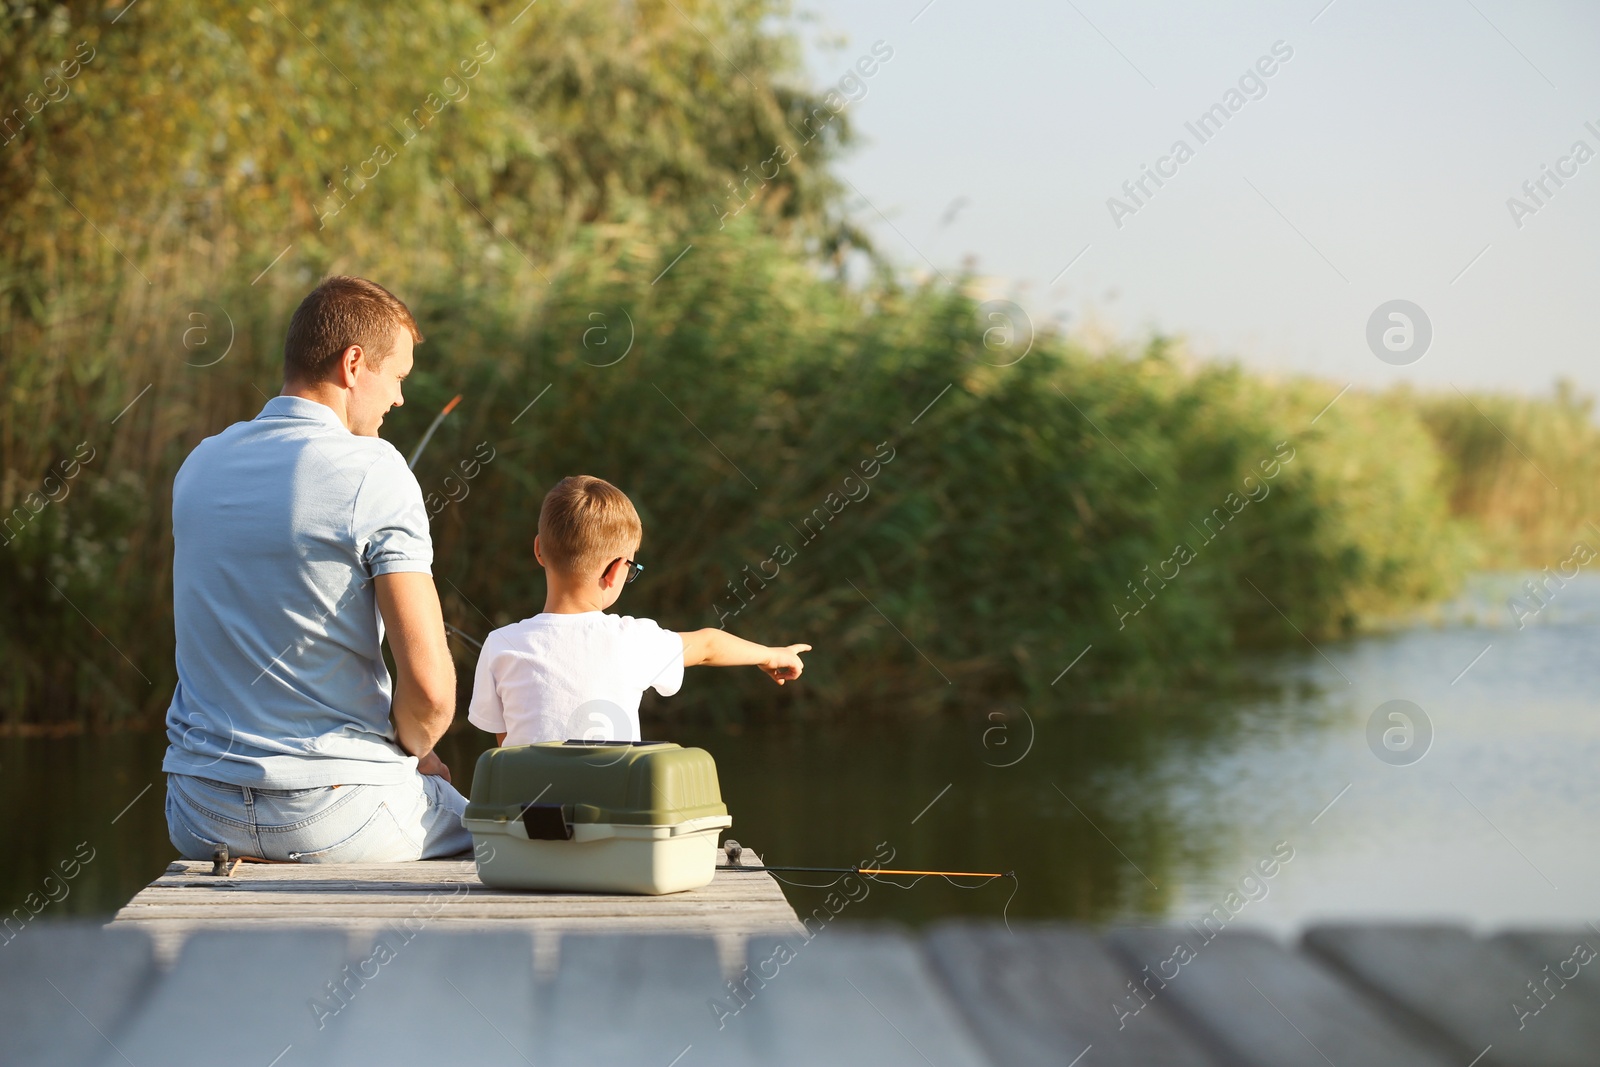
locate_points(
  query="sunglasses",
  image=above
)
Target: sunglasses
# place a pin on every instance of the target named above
(634, 569)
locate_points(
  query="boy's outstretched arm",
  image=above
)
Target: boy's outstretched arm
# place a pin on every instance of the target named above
(718, 648)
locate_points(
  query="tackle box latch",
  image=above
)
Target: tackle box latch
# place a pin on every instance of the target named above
(548, 822)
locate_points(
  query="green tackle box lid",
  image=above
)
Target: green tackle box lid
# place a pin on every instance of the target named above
(643, 783)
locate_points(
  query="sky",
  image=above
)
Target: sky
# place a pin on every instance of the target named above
(1375, 164)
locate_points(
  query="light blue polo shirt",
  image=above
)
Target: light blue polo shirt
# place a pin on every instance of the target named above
(279, 525)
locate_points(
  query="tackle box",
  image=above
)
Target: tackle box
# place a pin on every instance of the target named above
(596, 816)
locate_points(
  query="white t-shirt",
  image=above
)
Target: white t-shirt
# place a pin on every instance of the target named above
(555, 677)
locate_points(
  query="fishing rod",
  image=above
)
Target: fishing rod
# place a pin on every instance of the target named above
(416, 455)
(468, 638)
(432, 427)
(870, 871)
(735, 850)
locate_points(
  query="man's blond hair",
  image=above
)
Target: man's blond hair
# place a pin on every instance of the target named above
(585, 523)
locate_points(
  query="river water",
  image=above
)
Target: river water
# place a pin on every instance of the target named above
(1281, 805)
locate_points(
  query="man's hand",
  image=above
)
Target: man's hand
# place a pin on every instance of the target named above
(424, 702)
(432, 764)
(783, 664)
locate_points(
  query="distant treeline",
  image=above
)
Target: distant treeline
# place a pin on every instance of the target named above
(951, 511)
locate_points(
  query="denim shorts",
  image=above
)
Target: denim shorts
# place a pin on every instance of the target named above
(419, 819)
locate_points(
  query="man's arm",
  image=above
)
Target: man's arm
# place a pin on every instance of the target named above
(424, 701)
(718, 648)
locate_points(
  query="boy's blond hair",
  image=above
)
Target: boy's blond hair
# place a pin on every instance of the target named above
(585, 523)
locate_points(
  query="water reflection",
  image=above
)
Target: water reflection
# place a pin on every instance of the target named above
(1170, 809)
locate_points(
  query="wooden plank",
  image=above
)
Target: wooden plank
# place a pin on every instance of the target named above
(445, 992)
(312, 904)
(638, 1000)
(199, 871)
(304, 894)
(193, 872)
(301, 884)
(1466, 987)
(857, 996)
(1049, 996)
(420, 877)
(232, 997)
(643, 924)
(429, 997)
(154, 901)
(356, 891)
(1560, 952)
(67, 988)
(364, 896)
(1265, 1006)
(729, 936)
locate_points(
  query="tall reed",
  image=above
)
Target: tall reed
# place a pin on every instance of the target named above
(1016, 514)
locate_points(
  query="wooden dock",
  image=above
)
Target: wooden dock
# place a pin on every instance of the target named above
(959, 995)
(361, 899)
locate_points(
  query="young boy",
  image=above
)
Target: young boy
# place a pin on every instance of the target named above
(572, 671)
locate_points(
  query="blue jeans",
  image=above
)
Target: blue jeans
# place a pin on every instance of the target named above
(417, 820)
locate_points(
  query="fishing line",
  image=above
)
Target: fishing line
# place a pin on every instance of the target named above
(1004, 917)
(809, 885)
(876, 874)
(468, 638)
(416, 455)
(874, 871)
(1005, 910)
(735, 852)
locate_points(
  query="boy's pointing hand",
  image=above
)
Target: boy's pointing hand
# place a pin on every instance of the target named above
(783, 664)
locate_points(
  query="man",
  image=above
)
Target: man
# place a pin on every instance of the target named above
(298, 537)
